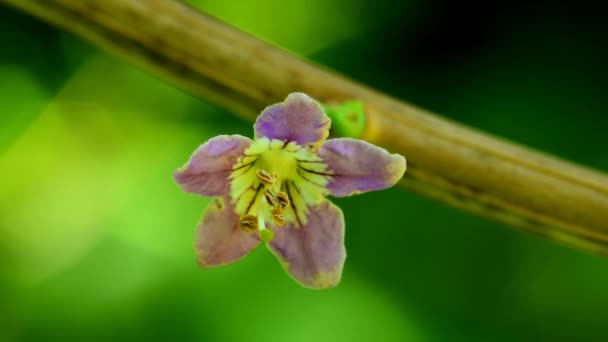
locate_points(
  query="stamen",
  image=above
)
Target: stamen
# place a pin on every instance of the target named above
(271, 198)
(283, 200)
(266, 177)
(248, 223)
(278, 217)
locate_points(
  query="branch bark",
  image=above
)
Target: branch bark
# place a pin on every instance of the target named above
(447, 161)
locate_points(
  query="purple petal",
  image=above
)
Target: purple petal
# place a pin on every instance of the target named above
(299, 118)
(219, 240)
(207, 171)
(359, 166)
(313, 254)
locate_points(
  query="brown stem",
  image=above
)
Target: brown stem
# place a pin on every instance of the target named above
(447, 161)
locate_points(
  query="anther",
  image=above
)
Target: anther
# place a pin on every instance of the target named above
(278, 217)
(283, 200)
(266, 177)
(271, 198)
(248, 223)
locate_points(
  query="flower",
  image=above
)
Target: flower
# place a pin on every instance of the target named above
(273, 189)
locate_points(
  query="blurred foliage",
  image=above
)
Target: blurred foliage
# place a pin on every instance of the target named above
(96, 241)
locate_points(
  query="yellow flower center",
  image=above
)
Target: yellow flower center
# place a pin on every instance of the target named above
(276, 182)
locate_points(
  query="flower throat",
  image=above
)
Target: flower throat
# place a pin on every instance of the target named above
(276, 181)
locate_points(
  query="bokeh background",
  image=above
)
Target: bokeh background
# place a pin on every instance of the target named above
(96, 240)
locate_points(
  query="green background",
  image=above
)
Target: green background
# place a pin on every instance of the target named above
(96, 240)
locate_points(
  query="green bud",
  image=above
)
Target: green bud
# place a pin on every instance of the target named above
(347, 118)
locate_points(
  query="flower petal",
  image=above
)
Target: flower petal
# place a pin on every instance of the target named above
(207, 171)
(314, 253)
(299, 118)
(219, 239)
(359, 166)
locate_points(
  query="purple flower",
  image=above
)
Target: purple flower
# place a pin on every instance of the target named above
(273, 189)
